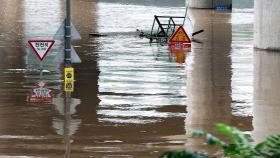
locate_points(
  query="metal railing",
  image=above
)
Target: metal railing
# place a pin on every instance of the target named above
(163, 27)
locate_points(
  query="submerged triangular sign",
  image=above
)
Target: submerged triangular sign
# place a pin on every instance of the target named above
(180, 36)
(74, 56)
(41, 47)
(60, 34)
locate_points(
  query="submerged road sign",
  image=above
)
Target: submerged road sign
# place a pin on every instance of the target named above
(41, 47)
(60, 57)
(75, 35)
(40, 94)
(60, 34)
(180, 39)
(68, 79)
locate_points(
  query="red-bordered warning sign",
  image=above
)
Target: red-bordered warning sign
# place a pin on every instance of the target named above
(41, 47)
(180, 36)
(40, 94)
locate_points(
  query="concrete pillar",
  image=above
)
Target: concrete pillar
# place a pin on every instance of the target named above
(266, 94)
(267, 30)
(208, 4)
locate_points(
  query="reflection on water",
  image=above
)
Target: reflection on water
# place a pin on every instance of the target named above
(64, 110)
(266, 94)
(242, 62)
(179, 56)
(64, 124)
(210, 79)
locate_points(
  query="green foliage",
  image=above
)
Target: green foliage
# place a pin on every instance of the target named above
(236, 144)
(269, 148)
(183, 154)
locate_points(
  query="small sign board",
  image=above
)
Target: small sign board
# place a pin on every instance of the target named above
(179, 46)
(69, 79)
(180, 39)
(41, 47)
(40, 94)
(180, 36)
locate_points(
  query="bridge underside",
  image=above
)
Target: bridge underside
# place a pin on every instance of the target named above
(209, 4)
(267, 30)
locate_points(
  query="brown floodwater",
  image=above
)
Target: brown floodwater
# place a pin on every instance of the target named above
(131, 99)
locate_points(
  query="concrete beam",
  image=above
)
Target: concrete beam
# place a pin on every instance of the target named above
(208, 4)
(267, 30)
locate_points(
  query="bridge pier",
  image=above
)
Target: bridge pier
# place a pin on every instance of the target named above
(209, 4)
(267, 30)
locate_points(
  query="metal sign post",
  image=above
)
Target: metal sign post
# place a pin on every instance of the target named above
(67, 51)
(67, 36)
(68, 32)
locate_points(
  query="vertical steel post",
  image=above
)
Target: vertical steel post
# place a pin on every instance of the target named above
(68, 37)
(67, 61)
(68, 34)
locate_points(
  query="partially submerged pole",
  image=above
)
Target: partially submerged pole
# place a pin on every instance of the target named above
(67, 36)
(67, 65)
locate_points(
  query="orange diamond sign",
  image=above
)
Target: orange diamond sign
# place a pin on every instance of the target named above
(180, 36)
